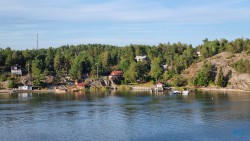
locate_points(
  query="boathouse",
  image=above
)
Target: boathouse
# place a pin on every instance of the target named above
(159, 86)
(25, 87)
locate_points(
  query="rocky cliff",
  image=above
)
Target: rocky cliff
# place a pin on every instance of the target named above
(224, 60)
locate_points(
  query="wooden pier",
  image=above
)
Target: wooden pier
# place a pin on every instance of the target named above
(141, 88)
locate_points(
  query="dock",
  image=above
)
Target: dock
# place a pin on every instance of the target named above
(141, 88)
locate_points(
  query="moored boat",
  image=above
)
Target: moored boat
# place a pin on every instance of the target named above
(175, 92)
(185, 92)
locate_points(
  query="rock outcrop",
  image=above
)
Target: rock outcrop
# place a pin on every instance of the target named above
(224, 60)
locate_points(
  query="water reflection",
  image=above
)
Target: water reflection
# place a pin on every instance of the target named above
(125, 115)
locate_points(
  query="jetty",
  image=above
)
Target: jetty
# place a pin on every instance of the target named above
(141, 88)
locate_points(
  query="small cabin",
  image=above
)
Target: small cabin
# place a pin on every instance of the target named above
(159, 86)
(80, 86)
(16, 70)
(198, 53)
(116, 75)
(165, 67)
(25, 87)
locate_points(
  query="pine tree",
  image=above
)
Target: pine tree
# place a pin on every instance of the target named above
(221, 81)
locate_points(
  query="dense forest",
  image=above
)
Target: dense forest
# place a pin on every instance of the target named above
(77, 61)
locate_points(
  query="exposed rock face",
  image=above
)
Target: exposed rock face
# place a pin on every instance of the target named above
(239, 81)
(224, 60)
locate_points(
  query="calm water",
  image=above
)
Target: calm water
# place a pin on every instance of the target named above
(125, 116)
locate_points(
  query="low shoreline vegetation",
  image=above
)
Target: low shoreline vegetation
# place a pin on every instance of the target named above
(123, 87)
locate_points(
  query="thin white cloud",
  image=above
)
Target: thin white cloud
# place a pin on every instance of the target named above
(124, 11)
(115, 21)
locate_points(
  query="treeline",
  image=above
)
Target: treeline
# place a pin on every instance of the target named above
(76, 61)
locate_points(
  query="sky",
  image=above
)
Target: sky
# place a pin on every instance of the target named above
(120, 22)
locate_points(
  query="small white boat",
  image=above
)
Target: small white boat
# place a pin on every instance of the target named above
(185, 92)
(175, 92)
(60, 90)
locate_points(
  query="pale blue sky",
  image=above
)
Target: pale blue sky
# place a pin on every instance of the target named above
(120, 22)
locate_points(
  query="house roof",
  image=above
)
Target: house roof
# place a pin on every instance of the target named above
(15, 68)
(116, 73)
(140, 57)
(159, 83)
(81, 84)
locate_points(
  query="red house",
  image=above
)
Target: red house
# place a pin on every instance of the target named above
(79, 85)
(159, 86)
(115, 75)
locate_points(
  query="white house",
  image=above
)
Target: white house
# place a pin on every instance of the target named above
(25, 87)
(16, 70)
(198, 53)
(141, 58)
(165, 67)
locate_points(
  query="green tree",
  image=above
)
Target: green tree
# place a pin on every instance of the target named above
(205, 75)
(131, 75)
(58, 62)
(2, 57)
(67, 61)
(221, 81)
(167, 75)
(37, 76)
(49, 60)
(124, 65)
(12, 84)
(76, 69)
(142, 69)
(178, 81)
(8, 62)
(79, 65)
(156, 68)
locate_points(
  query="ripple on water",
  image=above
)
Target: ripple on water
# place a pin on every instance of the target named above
(132, 117)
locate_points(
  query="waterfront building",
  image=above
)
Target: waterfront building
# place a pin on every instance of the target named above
(25, 87)
(116, 74)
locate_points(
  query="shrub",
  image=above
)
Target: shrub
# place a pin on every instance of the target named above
(178, 81)
(221, 79)
(124, 87)
(204, 76)
(242, 66)
(12, 84)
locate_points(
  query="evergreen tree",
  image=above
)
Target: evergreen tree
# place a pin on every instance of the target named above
(131, 75)
(49, 60)
(221, 81)
(36, 74)
(205, 75)
(156, 68)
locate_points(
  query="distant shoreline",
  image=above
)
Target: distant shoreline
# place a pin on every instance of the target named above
(222, 89)
(24, 91)
(5, 91)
